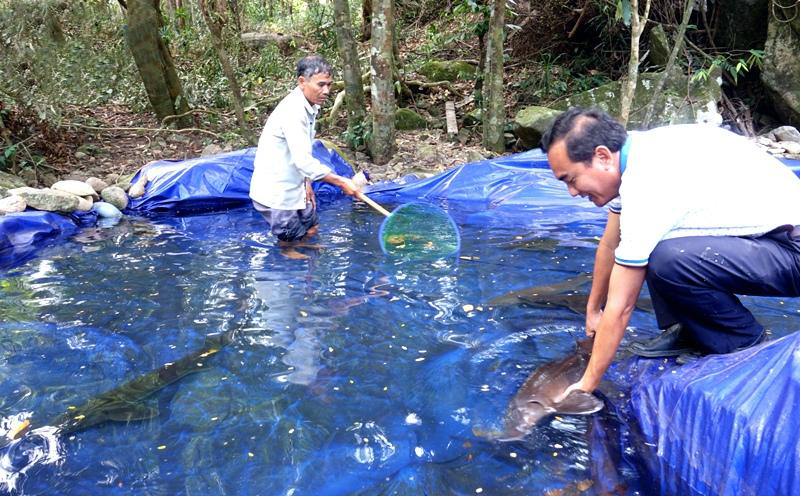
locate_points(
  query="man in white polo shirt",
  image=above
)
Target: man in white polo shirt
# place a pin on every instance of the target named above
(700, 213)
(284, 167)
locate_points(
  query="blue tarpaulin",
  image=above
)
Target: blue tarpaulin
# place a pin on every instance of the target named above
(723, 425)
(218, 182)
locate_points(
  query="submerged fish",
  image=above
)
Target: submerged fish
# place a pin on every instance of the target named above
(536, 399)
(128, 402)
(566, 294)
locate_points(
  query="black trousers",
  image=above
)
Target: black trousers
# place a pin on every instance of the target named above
(695, 280)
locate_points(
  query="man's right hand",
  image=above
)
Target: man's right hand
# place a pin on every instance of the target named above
(346, 184)
(592, 321)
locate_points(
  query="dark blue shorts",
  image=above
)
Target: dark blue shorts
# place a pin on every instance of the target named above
(289, 225)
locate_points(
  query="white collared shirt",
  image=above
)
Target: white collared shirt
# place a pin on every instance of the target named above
(283, 159)
(699, 180)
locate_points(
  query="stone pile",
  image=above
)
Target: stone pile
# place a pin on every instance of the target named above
(65, 197)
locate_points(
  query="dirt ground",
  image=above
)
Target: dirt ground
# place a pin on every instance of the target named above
(113, 140)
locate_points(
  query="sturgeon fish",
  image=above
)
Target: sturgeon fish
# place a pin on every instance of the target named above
(536, 398)
(128, 402)
(566, 294)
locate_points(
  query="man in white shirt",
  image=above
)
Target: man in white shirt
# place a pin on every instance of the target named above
(701, 213)
(284, 167)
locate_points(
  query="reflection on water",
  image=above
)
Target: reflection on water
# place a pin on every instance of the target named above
(350, 373)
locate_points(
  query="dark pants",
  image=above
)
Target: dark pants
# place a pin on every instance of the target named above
(289, 225)
(694, 281)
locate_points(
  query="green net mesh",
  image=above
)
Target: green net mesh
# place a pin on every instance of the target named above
(419, 231)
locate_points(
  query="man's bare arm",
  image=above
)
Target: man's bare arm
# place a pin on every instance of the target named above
(603, 263)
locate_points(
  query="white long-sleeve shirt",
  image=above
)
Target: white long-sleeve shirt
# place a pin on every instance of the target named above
(283, 159)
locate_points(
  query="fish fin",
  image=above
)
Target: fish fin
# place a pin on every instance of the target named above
(579, 403)
(133, 411)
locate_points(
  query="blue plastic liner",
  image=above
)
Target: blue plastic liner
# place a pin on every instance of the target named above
(723, 425)
(218, 182)
(22, 233)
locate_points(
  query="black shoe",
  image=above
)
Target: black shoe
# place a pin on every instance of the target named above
(667, 344)
(694, 355)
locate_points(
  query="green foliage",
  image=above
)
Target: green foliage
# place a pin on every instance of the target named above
(357, 137)
(623, 12)
(732, 65)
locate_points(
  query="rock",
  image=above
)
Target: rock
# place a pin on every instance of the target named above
(97, 184)
(111, 179)
(786, 133)
(792, 147)
(212, 149)
(531, 123)
(137, 189)
(428, 153)
(472, 118)
(29, 176)
(475, 156)
(106, 210)
(12, 204)
(47, 179)
(406, 119)
(679, 102)
(448, 70)
(49, 200)
(660, 46)
(781, 68)
(85, 204)
(81, 155)
(74, 176)
(10, 181)
(115, 196)
(78, 188)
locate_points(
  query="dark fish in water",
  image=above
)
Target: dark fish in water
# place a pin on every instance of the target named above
(566, 294)
(536, 399)
(128, 402)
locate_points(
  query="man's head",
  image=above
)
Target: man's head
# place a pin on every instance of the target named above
(314, 77)
(583, 148)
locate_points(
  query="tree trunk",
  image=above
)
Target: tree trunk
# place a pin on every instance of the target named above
(366, 19)
(687, 13)
(215, 24)
(382, 142)
(494, 116)
(629, 86)
(354, 93)
(154, 61)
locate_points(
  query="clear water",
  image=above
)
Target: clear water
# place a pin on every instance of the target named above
(350, 373)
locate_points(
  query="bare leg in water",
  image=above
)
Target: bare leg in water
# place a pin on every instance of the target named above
(289, 248)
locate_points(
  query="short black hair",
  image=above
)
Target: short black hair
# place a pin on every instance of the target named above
(313, 64)
(584, 130)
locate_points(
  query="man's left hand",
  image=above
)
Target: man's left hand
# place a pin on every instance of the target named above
(578, 386)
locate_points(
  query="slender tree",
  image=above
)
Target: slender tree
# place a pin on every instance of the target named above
(351, 70)
(382, 140)
(154, 61)
(494, 116)
(215, 21)
(629, 86)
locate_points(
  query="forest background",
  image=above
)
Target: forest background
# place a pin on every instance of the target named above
(102, 87)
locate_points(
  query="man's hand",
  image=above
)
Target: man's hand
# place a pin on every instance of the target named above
(346, 184)
(578, 386)
(592, 321)
(310, 197)
(349, 187)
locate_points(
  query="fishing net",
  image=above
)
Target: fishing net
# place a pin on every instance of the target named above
(419, 231)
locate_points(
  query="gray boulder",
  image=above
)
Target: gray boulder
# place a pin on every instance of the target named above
(97, 184)
(781, 69)
(115, 196)
(448, 70)
(49, 200)
(406, 119)
(10, 181)
(659, 46)
(12, 204)
(78, 188)
(530, 124)
(680, 101)
(785, 133)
